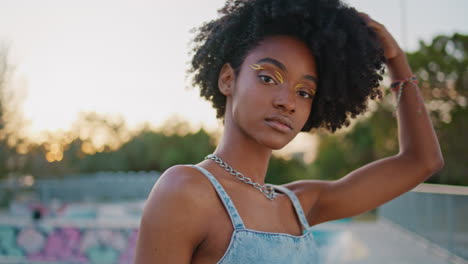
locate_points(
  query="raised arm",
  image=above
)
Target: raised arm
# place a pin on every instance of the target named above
(378, 182)
(173, 221)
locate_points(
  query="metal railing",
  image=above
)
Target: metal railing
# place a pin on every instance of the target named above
(438, 213)
(102, 186)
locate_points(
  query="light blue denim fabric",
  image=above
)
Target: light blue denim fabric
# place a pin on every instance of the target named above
(252, 246)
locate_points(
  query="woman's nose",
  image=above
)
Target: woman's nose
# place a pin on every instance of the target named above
(285, 100)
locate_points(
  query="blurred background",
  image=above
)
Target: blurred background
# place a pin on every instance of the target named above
(95, 104)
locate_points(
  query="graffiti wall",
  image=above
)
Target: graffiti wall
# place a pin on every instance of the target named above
(66, 244)
(41, 243)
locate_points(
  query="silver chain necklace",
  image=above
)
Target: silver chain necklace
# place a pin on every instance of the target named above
(267, 190)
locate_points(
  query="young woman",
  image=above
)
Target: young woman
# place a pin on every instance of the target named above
(274, 68)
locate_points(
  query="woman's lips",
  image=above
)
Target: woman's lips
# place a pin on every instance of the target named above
(279, 123)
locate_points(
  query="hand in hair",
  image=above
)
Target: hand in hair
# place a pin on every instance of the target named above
(389, 45)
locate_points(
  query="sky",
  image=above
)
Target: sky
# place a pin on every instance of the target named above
(130, 58)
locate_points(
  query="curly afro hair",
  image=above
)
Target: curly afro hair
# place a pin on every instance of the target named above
(348, 55)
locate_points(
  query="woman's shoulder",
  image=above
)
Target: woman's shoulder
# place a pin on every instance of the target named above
(182, 188)
(180, 197)
(176, 216)
(182, 182)
(307, 191)
(306, 187)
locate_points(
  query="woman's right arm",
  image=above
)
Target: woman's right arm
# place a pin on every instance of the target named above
(174, 222)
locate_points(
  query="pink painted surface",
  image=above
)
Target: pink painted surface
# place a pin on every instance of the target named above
(80, 245)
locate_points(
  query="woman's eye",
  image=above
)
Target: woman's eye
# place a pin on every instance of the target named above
(267, 79)
(305, 94)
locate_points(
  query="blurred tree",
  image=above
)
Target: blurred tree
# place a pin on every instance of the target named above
(4, 149)
(281, 170)
(13, 141)
(99, 142)
(8, 156)
(442, 68)
(152, 150)
(100, 132)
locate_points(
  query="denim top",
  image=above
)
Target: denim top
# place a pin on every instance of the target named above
(252, 246)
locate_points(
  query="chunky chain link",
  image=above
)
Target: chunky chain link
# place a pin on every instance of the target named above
(267, 190)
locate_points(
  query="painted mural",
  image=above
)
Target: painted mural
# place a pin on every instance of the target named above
(38, 243)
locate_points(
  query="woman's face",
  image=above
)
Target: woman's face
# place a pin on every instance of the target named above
(274, 91)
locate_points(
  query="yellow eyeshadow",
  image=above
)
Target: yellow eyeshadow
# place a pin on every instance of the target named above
(279, 76)
(259, 67)
(300, 85)
(256, 67)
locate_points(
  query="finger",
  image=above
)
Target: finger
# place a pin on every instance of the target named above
(365, 16)
(370, 22)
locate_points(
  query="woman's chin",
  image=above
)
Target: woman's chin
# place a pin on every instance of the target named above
(275, 144)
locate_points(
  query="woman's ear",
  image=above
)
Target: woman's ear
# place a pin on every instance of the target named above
(226, 79)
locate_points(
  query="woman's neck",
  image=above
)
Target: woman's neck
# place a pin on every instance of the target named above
(244, 154)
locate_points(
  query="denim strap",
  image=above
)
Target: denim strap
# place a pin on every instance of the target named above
(232, 211)
(296, 204)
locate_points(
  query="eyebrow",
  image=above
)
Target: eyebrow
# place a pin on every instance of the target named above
(283, 68)
(274, 62)
(311, 78)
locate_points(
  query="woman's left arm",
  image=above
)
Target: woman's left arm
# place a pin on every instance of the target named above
(416, 135)
(378, 182)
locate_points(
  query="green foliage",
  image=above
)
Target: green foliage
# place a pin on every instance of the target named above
(283, 171)
(4, 147)
(442, 68)
(151, 150)
(369, 140)
(454, 145)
